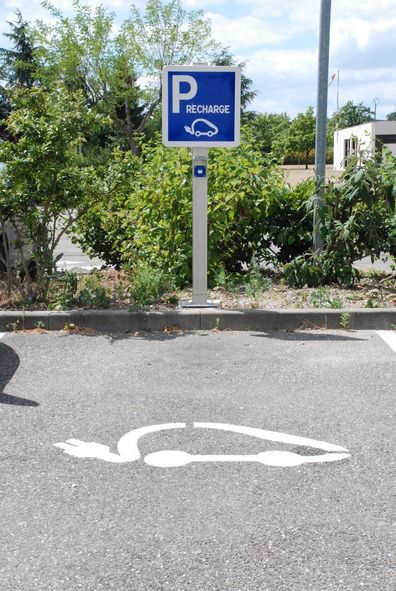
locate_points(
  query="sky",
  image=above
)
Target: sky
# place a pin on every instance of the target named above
(278, 39)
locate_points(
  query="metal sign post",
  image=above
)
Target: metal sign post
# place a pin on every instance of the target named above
(321, 120)
(201, 109)
(200, 228)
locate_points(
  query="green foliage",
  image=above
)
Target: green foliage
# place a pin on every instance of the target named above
(358, 220)
(149, 285)
(92, 294)
(84, 52)
(62, 291)
(348, 116)
(44, 190)
(255, 281)
(322, 299)
(303, 270)
(224, 58)
(151, 221)
(345, 320)
(105, 228)
(270, 131)
(147, 219)
(69, 290)
(289, 225)
(166, 34)
(300, 137)
(241, 186)
(17, 66)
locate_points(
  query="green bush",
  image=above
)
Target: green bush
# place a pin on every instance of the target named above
(92, 294)
(68, 290)
(44, 188)
(358, 220)
(146, 216)
(149, 285)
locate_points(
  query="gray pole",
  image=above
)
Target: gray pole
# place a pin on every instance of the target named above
(200, 229)
(321, 118)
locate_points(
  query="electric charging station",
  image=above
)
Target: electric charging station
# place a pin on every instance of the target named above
(201, 109)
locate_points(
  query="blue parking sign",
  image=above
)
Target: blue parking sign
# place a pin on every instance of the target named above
(201, 106)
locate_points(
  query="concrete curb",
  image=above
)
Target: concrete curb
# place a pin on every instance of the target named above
(201, 319)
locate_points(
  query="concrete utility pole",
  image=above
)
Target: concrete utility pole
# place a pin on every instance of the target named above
(321, 117)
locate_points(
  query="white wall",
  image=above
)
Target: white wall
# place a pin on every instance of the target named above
(361, 137)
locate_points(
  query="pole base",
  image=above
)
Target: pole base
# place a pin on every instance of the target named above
(192, 304)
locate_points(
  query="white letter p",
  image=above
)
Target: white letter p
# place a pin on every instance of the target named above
(178, 96)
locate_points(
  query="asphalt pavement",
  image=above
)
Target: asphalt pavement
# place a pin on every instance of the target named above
(72, 257)
(199, 461)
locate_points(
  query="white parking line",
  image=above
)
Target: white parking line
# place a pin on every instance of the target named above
(389, 337)
(2, 334)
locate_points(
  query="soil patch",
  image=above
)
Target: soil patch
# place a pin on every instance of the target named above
(376, 289)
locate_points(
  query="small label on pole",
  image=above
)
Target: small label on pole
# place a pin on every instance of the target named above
(200, 171)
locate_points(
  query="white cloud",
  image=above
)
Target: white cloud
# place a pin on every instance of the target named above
(285, 63)
(201, 4)
(286, 80)
(278, 38)
(245, 32)
(358, 42)
(285, 13)
(308, 11)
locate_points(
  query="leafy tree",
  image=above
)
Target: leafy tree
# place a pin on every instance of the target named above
(17, 66)
(224, 58)
(348, 116)
(44, 190)
(358, 220)
(83, 52)
(4, 113)
(147, 221)
(270, 131)
(391, 116)
(166, 34)
(300, 136)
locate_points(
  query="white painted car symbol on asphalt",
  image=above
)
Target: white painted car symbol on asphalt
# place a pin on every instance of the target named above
(129, 452)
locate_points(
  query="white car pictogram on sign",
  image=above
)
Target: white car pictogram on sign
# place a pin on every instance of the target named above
(213, 130)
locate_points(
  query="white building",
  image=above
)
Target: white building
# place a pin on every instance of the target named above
(368, 136)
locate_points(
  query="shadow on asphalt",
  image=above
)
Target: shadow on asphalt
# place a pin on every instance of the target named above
(7, 399)
(307, 336)
(316, 335)
(9, 363)
(122, 336)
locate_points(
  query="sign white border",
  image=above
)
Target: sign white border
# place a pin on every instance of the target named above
(165, 108)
